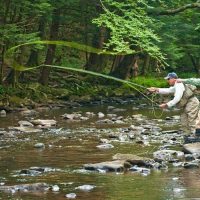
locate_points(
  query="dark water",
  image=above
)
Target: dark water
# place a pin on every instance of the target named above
(73, 146)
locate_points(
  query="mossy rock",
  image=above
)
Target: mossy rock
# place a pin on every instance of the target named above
(17, 101)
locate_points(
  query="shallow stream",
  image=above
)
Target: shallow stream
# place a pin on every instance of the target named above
(72, 144)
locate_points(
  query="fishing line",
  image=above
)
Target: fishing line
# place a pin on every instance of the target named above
(89, 49)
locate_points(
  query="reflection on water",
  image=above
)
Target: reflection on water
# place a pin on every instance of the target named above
(68, 151)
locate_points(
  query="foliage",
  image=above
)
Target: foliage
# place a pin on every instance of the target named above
(130, 28)
(149, 81)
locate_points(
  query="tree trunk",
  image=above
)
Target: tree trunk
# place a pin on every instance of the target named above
(2, 63)
(123, 70)
(117, 59)
(135, 68)
(146, 64)
(96, 62)
(54, 29)
(33, 58)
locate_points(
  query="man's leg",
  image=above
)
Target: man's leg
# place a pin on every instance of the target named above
(192, 110)
(184, 124)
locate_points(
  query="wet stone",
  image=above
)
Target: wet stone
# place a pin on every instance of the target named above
(141, 170)
(110, 166)
(89, 114)
(43, 122)
(192, 148)
(39, 145)
(178, 164)
(168, 155)
(3, 132)
(55, 188)
(35, 171)
(105, 146)
(85, 188)
(35, 187)
(3, 113)
(25, 129)
(191, 165)
(100, 115)
(70, 196)
(25, 123)
(29, 113)
(189, 157)
(135, 160)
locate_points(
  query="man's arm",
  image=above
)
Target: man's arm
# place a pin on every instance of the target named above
(179, 90)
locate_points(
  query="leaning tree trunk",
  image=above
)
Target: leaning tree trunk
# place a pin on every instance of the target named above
(54, 30)
(123, 70)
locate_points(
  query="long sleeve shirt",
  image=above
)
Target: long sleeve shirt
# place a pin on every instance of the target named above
(177, 90)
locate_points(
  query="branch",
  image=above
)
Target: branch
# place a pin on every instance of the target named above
(161, 11)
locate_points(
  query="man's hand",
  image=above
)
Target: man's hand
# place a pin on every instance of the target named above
(153, 89)
(163, 105)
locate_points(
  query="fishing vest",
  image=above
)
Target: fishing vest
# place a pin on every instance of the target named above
(187, 94)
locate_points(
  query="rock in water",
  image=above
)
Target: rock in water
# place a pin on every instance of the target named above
(71, 196)
(192, 148)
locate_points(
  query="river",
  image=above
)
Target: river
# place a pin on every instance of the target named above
(70, 145)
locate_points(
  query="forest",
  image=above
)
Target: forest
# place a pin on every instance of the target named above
(130, 40)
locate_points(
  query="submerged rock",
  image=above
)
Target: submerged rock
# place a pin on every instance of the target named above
(142, 170)
(35, 171)
(34, 187)
(110, 166)
(134, 160)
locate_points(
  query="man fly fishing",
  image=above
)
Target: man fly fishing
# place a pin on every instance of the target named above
(185, 99)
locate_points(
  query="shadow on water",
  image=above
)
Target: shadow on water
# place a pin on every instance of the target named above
(66, 151)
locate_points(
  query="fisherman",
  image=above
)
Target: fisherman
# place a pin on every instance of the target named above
(184, 98)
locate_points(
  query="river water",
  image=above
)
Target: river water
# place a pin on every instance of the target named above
(69, 146)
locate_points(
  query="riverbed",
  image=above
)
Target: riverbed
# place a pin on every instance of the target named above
(71, 144)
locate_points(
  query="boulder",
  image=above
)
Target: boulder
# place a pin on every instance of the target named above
(192, 148)
(168, 155)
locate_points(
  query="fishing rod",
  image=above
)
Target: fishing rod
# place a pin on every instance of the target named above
(19, 67)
